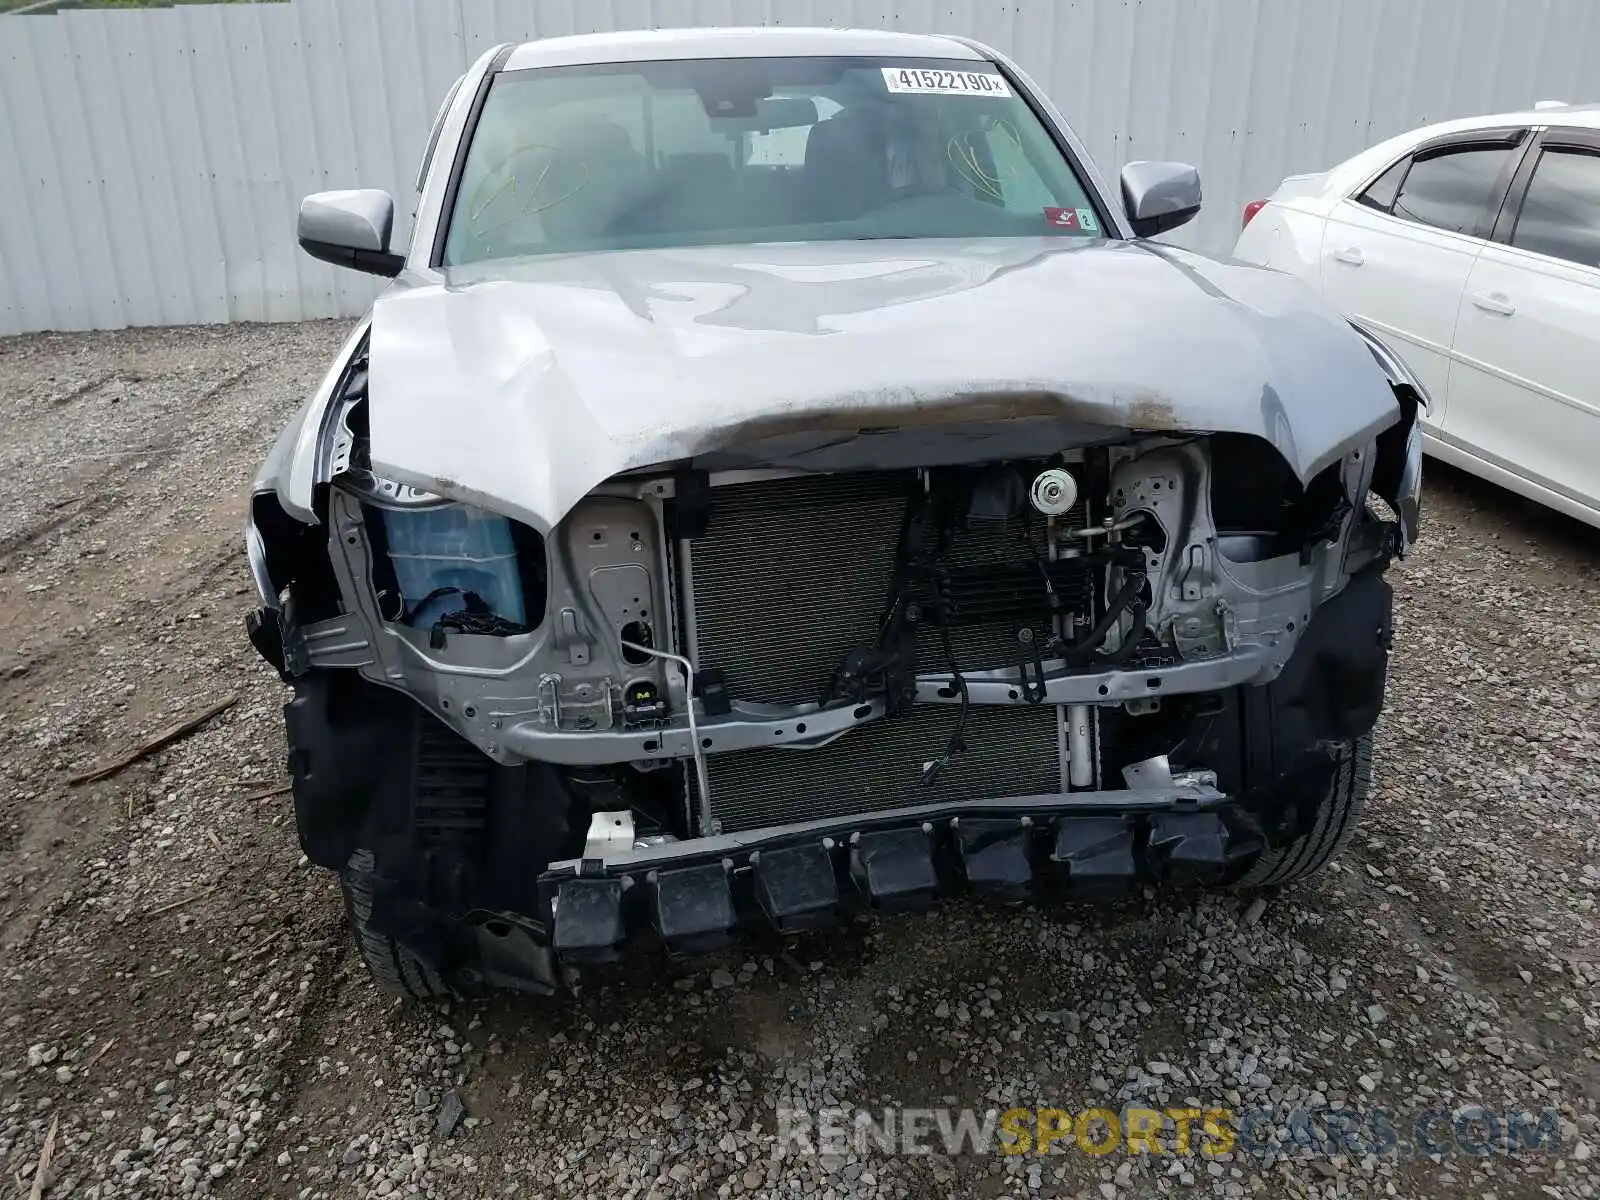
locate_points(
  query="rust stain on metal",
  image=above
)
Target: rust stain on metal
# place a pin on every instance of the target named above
(950, 410)
(1151, 412)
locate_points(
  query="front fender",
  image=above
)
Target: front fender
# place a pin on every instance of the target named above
(281, 520)
(299, 459)
(1397, 473)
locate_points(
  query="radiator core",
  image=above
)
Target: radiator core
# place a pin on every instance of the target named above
(791, 575)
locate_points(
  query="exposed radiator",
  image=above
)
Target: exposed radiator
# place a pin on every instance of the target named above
(794, 573)
(1010, 752)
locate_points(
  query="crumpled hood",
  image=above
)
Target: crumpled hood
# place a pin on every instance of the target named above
(523, 385)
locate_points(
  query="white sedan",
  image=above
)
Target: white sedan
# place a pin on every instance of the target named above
(1473, 248)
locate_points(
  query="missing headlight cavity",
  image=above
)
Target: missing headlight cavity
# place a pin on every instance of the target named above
(460, 568)
(1259, 506)
(297, 556)
(437, 565)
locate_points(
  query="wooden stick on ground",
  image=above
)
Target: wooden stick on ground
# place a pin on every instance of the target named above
(46, 1153)
(165, 738)
(279, 790)
(98, 1055)
(267, 944)
(172, 904)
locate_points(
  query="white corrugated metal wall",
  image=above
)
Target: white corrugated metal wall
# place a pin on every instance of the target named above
(151, 160)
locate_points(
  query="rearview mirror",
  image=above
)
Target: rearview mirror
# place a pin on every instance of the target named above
(350, 229)
(773, 112)
(1158, 196)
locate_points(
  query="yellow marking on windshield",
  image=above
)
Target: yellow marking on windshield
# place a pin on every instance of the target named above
(531, 204)
(963, 154)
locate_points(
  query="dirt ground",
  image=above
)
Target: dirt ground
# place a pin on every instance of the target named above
(181, 1012)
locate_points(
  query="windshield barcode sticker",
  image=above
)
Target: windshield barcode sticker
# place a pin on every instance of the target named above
(929, 81)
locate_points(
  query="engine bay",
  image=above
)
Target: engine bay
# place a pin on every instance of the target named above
(739, 642)
(747, 642)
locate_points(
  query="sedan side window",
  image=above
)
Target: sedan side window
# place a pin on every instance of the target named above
(1380, 195)
(1451, 190)
(1561, 215)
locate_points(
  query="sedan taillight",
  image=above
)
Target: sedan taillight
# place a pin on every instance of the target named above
(1251, 210)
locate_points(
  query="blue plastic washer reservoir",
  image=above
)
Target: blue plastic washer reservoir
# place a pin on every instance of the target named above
(453, 546)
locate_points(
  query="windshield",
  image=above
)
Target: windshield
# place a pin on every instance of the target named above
(720, 151)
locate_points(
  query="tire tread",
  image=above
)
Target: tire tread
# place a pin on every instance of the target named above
(394, 970)
(1338, 814)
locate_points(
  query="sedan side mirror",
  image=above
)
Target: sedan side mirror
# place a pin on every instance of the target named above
(350, 229)
(1158, 196)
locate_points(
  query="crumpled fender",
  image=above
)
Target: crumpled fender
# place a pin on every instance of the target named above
(300, 458)
(282, 497)
(1397, 473)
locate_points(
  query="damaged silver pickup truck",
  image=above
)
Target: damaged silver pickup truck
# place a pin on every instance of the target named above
(781, 478)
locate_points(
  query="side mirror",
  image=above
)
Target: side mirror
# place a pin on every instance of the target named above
(350, 229)
(1158, 196)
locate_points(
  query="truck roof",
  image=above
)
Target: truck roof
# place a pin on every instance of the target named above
(644, 45)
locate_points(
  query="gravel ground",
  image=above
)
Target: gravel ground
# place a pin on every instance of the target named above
(180, 1004)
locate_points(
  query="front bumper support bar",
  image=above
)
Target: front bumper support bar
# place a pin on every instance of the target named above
(695, 895)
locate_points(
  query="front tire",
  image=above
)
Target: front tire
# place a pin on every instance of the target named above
(395, 971)
(430, 838)
(1338, 811)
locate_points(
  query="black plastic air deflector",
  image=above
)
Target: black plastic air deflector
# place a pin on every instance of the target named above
(1188, 847)
(994, 856)
(796, 888)
(894, 868)
(589, 926)
(1096, 853)
(692, 907)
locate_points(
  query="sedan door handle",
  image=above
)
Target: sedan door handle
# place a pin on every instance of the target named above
(1495, 302)
(1351, 255)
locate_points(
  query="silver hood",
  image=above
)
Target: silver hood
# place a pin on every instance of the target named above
(523, 385)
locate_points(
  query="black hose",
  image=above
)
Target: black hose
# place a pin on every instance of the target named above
(1130, 643)
(1082, 652)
